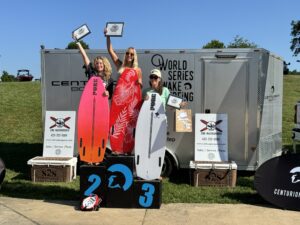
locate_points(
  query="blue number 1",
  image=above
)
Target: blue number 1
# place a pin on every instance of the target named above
(96, 181)
(147, 199)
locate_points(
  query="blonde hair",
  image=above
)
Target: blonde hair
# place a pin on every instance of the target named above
(134, 64)
(107, 67)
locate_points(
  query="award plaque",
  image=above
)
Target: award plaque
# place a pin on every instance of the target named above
(174, 101)
(114, 29)
(81, 32)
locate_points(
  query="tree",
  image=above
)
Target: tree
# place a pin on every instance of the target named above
(214, 44)
(240, 42)
(7, 78)
(285, 68)
(295, 43)
(72, 45)
(294, 72)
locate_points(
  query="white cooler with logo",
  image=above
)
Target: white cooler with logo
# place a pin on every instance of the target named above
(213, 173)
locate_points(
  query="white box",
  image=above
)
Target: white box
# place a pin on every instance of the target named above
(223, 174)
(53, 169)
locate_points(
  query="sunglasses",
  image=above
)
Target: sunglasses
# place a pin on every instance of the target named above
(128, 53)
(153, 77)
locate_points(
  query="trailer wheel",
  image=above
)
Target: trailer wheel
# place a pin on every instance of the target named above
(168, 166)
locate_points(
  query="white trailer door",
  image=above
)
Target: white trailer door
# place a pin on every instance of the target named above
(225, 90)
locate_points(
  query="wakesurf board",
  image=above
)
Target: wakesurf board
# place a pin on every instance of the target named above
(93, 122)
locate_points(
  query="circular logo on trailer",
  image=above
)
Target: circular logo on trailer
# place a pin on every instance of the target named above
(121, 177)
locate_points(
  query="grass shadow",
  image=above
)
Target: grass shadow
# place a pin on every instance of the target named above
(18, 183)
(247, 198)
(181, 176)
(31, 190)
(15, 156)
(291, 149)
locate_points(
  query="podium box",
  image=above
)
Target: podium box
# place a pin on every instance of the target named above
(93, 181)
(148, 193)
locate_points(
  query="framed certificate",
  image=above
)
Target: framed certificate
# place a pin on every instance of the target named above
(174, 101)
(114, 29)
(81, 32)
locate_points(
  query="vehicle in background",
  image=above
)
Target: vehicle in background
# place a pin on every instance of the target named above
(24, 75)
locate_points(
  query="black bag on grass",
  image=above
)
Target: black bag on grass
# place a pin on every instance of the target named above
(2, 171)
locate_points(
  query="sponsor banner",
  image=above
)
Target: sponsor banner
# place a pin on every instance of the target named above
(59, 134)
(278, 181)
(211, 137)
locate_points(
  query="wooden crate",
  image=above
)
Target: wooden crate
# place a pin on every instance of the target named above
(53, 169)
(214, 174)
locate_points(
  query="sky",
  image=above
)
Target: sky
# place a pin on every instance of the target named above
(152, 24)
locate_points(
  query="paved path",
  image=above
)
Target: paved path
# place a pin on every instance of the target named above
(28, 212)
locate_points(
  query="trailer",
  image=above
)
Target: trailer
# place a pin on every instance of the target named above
(245, 84)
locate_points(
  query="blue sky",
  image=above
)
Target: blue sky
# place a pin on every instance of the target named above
(153, 24)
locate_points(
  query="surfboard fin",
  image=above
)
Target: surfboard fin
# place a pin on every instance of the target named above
(80, 143)
(159, 161)
(112, 130)
(99, 151)
(138, 159)
(83, 151)
(133, 133)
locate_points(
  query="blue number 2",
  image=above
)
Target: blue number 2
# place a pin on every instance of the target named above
(96, 181)
(147, 199)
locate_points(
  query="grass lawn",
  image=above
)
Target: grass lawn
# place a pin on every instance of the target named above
(21, 139)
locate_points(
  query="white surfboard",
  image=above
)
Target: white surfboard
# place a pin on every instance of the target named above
(150, 138)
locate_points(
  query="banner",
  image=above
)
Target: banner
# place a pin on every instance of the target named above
(211, 137)
(278, 181)
(59, 134)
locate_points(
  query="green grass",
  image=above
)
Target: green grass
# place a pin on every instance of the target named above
(21, 140)
(291, 94)
(20, 112)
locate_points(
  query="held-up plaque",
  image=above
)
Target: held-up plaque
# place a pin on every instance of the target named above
(114, 29)
(174, 101)
(81, 32)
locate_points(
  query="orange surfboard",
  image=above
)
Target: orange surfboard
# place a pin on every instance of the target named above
(93, 122)
(125, 107)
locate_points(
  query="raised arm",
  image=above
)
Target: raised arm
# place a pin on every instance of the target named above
(111, 51)
(85, 58)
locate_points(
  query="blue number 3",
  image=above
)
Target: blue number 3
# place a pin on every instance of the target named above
(147, 199)
(96, 181)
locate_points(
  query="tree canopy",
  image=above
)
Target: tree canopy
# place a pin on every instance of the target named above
(240, 42)
(214, 44)
(295, 33)
(6, 77)
(72, 45)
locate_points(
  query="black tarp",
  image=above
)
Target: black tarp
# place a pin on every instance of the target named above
(278, 181)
